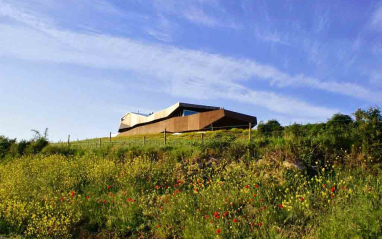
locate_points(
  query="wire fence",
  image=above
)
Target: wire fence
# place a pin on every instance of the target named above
(176, 139)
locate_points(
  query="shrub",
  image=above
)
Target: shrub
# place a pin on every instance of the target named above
(5, 145)
(62, 150)
(270, 128)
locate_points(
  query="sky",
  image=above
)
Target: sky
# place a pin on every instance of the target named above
(76, 66)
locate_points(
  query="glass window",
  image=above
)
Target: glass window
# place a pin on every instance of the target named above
(188, 112)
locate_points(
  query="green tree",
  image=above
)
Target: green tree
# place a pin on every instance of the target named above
(339, 121)
(270, 128)
(369, 124)
(5, 145)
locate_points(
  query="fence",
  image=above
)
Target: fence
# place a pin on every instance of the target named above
(147, 140)
(166, 139)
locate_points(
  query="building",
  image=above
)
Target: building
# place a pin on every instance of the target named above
(183, 117)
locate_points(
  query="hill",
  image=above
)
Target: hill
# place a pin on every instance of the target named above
(300, 181)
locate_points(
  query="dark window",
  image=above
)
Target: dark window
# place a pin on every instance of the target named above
(189, 112)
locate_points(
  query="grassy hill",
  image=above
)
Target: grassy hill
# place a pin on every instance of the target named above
(301, 181)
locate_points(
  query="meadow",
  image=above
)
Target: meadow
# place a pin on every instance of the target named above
(300, 181)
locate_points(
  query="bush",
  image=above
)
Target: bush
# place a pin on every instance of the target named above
(5, 145)
(270, 128)
(61, 150)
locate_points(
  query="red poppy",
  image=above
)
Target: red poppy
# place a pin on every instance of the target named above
(206, 216)
(134, 200)
(281, 206)
(225, 214)
(72, 194)
(129, 199)
(156, 186)
(331, 195)
(324, 185)
(256, 186)
(246, 186)
(343, 188)
(218, 231)
(261, 199)
(226, 199)
(302, 199)
(181, 228)
(252, 224)
(158, 226)
(212, 222)
(251, 199)
(108, 186)
(254, 196)
(87, 197)
(332, 189)
(104, 201)
(235, 220)
(198, 180)
(216, 214)
(259, 224)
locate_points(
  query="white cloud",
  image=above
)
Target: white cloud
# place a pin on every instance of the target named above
(163, 30)
(176, 71)
(195, 12)
(197, 15)
(271, 36)
(376, 19)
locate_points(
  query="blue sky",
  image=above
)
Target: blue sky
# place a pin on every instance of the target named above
(76, 66)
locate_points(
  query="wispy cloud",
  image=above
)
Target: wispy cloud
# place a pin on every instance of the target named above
(321, 17)
(197, 15)
(271, 36)
(175, 71)
(195, 12)
(376, 19)
(163, 30)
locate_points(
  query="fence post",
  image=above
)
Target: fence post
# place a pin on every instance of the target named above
(100, 142)
(110, 137)
(68, 140)
(201, 135)
(165, 140)
(144, 140)
(250, 132)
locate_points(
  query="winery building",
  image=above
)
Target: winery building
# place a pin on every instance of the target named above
(184, 117)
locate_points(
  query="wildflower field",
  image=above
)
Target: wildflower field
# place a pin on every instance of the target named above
(301, 181)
